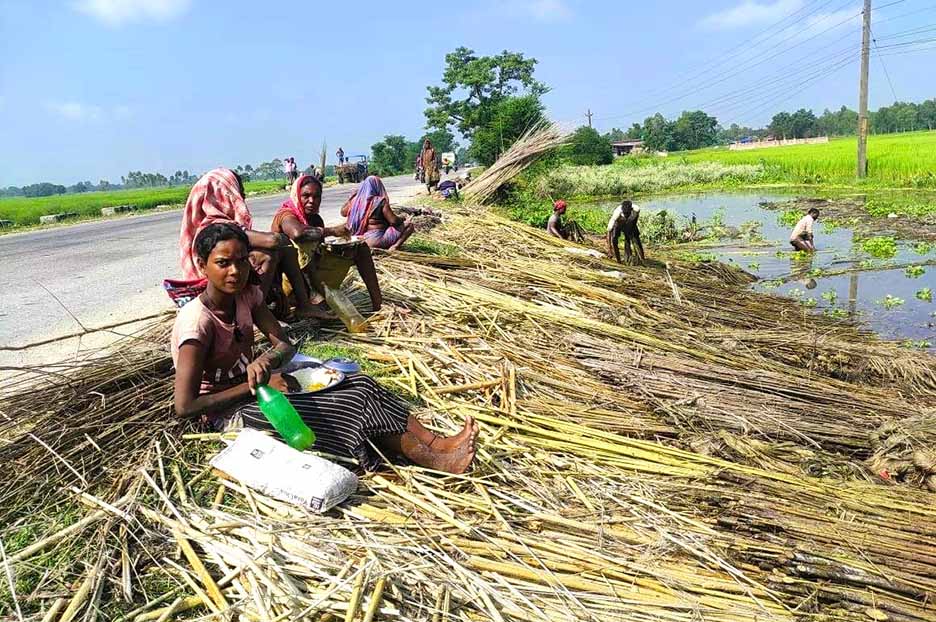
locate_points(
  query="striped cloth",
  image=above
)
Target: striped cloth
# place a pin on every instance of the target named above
(215, 197)
(344, 418)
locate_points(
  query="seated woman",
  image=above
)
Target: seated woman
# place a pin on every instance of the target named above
(299, 218)
(218, 197)
(369, 214)
(216, 372)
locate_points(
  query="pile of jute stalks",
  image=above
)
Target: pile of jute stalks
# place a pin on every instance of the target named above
(657, 443)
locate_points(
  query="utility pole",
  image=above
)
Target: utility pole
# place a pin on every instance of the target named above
(863, 92)
(589, 115)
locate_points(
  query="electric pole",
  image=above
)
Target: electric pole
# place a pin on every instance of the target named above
(589, 115)
(863, 91)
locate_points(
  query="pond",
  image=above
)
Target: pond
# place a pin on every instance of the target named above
(888, 284)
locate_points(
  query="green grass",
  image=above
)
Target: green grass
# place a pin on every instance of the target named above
(25, 211)
(906, 160)
(419, 244)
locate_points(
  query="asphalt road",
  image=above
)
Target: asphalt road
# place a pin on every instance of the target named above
(110, 270)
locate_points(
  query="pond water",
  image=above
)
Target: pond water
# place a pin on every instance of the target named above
(841, 279)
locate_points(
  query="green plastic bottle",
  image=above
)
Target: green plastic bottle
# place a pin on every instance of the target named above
(284, 418)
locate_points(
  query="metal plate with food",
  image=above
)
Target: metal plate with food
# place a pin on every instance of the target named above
(335, 241)
(314, 378)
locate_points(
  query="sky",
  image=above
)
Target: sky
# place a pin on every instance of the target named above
(90, 89)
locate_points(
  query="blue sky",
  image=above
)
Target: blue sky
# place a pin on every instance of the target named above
(90, 89)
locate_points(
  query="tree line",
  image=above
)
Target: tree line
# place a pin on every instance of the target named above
(695, 129)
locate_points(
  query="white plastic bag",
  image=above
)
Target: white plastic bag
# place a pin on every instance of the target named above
(279, 471)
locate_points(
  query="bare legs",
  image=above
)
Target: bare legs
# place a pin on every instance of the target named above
(453, 454)
(365, 267)
(268, 263)
(407, 231)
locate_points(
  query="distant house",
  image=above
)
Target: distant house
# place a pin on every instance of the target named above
(625, 147)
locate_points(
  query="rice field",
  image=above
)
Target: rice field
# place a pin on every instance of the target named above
(25, 211)
(906, 160)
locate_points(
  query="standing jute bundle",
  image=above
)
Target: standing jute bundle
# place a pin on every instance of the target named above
(536, 142)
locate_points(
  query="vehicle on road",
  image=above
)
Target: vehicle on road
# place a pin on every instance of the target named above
(353, 169)
(448, 161)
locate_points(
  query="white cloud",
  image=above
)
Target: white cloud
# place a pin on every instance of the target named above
(117, 12)
(74, 111)
(122, 112)
(750, 13)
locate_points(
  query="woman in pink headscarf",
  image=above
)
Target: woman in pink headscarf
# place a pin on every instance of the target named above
(218, 196)
(299, 218)
(369, 214)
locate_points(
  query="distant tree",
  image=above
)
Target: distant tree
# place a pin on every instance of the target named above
(734, 133)
(43, 189)
(843, 122)
(781, 125)
(389, 157)
(615, 135)
(588, 147)
(657, 133)
(927, 114)
(474, 86)
(803, 123)
(509, 120)
(81, 186)
(104, 185)
(693, 130)
(11, 191)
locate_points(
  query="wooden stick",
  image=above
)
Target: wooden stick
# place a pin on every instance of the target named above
(460, 388)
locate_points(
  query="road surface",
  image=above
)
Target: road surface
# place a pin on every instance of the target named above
(111, 270)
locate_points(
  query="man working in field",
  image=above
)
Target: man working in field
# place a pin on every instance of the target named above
(624, 220)
(802, 235)
(554, 225)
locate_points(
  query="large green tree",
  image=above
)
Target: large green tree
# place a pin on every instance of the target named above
(693, 130)
(473, 86)
(509, 120)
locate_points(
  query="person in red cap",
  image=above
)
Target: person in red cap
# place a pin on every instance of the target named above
(554, 225)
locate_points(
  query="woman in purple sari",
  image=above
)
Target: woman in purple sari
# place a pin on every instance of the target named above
(369, 214)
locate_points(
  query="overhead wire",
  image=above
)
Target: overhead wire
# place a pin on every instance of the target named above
(883, 66)
(719, 60)
(745, 67)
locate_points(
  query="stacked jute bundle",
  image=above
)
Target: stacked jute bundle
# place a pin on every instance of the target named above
(535, 143)
(584, 502)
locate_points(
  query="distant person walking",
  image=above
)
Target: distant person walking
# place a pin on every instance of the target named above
(430, 165)
(801, 238)
(340, 154)
(289, 167)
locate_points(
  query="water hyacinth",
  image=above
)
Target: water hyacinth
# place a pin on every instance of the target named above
(619, 180)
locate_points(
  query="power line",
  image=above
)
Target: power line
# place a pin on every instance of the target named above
(744, 67)
(742, 47)
(893, 17)
(784, 94)
(883, 66)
